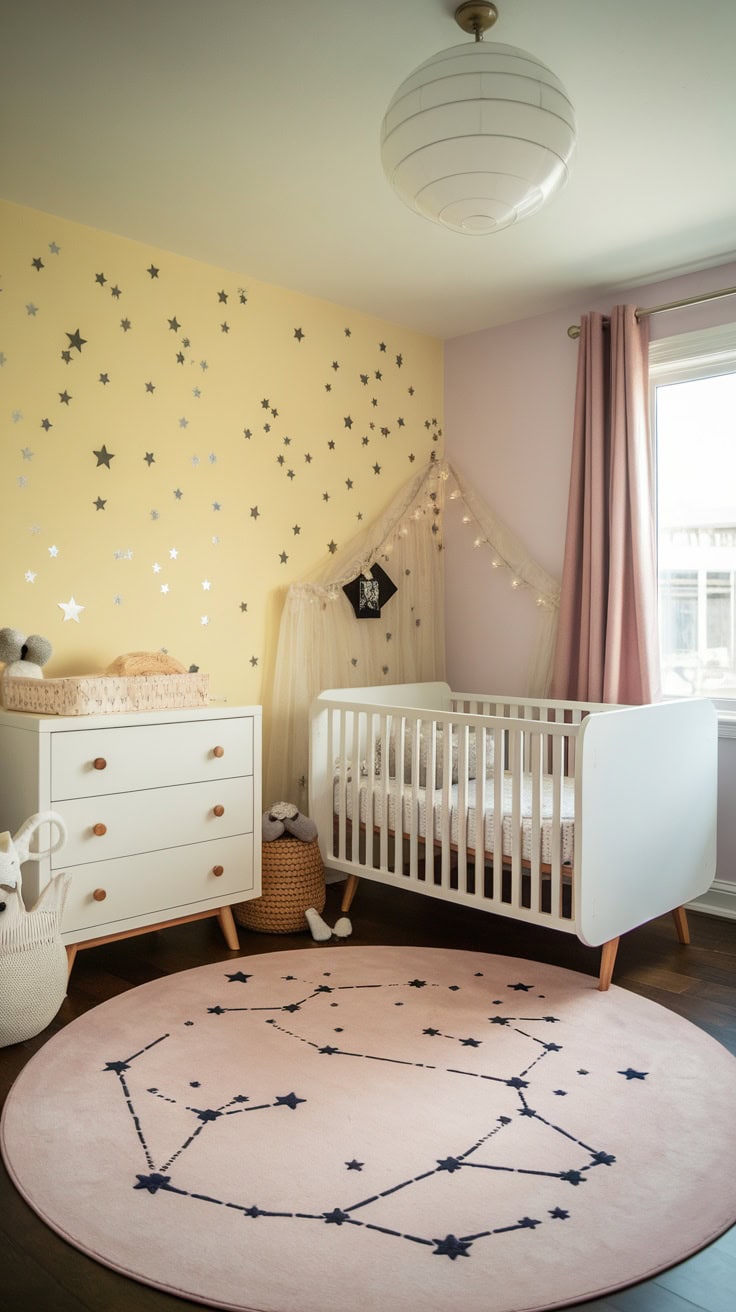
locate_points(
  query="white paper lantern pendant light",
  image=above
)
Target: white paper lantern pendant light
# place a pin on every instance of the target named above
(480, 135)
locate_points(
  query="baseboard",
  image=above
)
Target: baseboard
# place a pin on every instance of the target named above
(720, 900)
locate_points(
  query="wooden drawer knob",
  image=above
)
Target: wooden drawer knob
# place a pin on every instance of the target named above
(99, 829)
(99, 895)
(219, 810)
(100, 763)
(218, 751)
(217, 871)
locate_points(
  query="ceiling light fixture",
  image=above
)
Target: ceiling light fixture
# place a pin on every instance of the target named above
(480, 135)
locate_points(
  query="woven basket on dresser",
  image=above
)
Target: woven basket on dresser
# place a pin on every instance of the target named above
(293, 879)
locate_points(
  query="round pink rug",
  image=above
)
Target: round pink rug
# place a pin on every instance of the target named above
(379, 1127)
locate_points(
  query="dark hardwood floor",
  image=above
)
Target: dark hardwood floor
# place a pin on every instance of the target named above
(39, 1272)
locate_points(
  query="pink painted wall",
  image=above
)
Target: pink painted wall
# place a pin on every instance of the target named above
(509, 396)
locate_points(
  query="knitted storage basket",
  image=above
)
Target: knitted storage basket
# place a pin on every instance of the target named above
(292, 879)
(33, 963)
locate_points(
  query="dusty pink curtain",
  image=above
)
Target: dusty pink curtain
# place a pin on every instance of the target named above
(607, 643)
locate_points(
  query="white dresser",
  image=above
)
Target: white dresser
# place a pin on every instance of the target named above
(163, 812)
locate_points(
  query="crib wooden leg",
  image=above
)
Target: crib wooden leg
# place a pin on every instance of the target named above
(608, 960)
(351, 885)
(679, 915)
(71, 956)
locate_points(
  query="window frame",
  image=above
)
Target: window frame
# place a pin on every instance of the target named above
(686, 357)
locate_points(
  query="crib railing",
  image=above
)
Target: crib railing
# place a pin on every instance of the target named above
(405, 795)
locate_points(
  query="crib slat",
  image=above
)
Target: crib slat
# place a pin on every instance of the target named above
(558, 755)
(463, 765)
(386, 723)
(536, 745)
(499, 761)
(446, 812)
(515, 768)
(415, 731)
(342, 778)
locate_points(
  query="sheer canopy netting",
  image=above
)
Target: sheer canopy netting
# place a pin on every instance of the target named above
(322, 644)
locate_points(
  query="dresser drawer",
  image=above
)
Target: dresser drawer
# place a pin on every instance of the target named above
(160, 885)
(120, 758)
(148, 821)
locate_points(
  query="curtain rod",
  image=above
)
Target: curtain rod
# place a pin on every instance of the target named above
(574, 329)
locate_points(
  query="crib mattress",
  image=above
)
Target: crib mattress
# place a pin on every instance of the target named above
(373, 803)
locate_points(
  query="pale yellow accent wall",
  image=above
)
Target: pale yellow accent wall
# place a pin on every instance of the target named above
(179, 442)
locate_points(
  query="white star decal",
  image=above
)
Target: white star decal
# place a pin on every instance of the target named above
(53, 551)
(30, 576)
(71, 609)
(174, 552)
(205, 619)
(164, 587)
(206, 584)
(157, 568)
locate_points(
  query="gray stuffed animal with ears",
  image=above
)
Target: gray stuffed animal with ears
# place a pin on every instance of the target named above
(24, 656)
(284, 817)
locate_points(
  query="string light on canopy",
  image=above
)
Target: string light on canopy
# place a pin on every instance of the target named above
(479, 136)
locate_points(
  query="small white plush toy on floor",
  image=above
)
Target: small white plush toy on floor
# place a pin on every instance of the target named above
(321, 931)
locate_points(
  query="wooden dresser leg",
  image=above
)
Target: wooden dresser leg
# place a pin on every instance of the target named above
(608, 960)
(351, 885)
(679, 915)
(71, 953)
(227, 925)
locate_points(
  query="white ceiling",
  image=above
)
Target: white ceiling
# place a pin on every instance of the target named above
(245, 133)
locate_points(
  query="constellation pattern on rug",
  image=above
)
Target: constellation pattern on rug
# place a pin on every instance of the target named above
(306, 1003)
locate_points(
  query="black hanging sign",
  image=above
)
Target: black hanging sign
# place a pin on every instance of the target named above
(368, 593)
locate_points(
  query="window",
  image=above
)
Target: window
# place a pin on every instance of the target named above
(693, 382)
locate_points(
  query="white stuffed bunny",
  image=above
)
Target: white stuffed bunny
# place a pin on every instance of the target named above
(33, 963)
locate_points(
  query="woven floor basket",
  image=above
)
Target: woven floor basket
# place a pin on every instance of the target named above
(293, 879)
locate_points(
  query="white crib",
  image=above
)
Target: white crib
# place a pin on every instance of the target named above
(587, 818)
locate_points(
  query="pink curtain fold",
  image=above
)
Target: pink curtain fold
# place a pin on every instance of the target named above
(607, 642)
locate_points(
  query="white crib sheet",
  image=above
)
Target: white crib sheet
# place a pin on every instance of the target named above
(377, 799)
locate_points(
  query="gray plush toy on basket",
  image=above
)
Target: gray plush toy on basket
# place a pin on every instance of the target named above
(292, 879)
